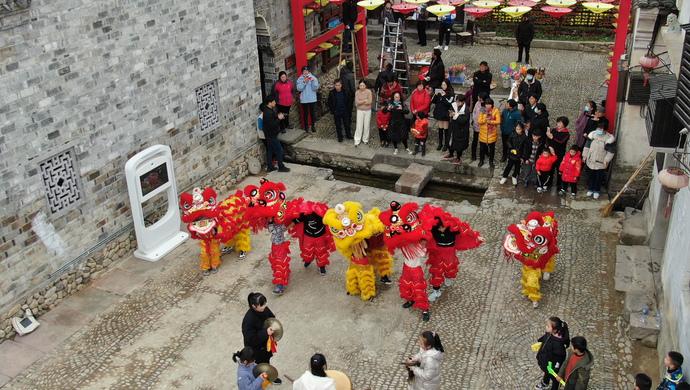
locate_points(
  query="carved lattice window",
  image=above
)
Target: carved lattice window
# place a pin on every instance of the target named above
(60, 176)
(207, 102)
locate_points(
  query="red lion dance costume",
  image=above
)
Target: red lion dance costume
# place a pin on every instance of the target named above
(409, 231)
(533, 242)
(315, 243)
(214, 223)
(450, 234)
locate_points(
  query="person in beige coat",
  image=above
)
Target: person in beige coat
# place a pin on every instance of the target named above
(597, 155)
(424, 368)
(364, 98)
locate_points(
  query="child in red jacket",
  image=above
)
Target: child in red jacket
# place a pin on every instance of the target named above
(543, 166)
(383, 118)
(571, 168)
(420, 130)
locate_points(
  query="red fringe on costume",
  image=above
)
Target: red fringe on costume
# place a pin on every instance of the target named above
(443, 264)
(412, 287)
(280, 262)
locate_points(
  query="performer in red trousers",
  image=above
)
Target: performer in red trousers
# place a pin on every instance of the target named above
(315, 243)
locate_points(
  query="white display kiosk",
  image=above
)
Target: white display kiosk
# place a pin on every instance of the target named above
(149, 173)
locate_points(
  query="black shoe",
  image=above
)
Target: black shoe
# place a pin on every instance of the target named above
(386, 280)
(322, 271)
(426, 316)
(481, 164)
(444, 148)
(503, 160)
(491, 166)
(283, 131)
(313, 130)
(407, 304)
(270, 170)
(277, 382)
(283, 169)
(340, 140)
(307, 264)
(439, 147)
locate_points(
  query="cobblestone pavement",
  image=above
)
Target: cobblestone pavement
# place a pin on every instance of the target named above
(179, 329)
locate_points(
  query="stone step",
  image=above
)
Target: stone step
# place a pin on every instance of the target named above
(386, 170)
(634, 228)
(644, 328)
(404, 159)
(292, 136)
(637, 301)
(633, 269)
(413, 179)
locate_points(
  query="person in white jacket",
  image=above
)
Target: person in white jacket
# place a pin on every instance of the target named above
(315, 378)
(425, 366)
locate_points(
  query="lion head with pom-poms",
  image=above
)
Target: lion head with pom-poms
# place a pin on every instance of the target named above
(267, 201)
(404, 225)
(533, 241)
(350, 225)
(208, 218)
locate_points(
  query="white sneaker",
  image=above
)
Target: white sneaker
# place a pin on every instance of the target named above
(595, 195)
(395, 151)
(448, 282)
(503, 180)
(589, 193)
(408, 151)
(437, 47)
(538, 190)
(540, 385)
(514, 181)
(434, 295)
(535, 304)
(546, 276)
(573, 194)
(445, 47)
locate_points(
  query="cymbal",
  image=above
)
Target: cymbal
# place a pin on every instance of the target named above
(277, 327)
(268, 369)
(342, 382)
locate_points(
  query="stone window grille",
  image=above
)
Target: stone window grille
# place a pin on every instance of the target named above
(207, 102)
(60, 177)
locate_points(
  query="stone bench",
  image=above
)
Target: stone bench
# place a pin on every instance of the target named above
(413, 179)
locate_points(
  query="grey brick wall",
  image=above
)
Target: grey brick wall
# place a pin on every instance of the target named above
(110, 79)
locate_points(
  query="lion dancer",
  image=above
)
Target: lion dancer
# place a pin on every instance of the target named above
(214, 223)
(356, 236)
(533, 242)
(409, 231)
(450, 235)
(268, 209)
(314, 241)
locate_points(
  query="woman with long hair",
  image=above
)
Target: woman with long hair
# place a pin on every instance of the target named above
(443, 104)
(425, 367)
(315, 378)
(553, 348)
(254, 332)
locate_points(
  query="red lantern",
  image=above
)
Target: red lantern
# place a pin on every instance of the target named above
(405, 8)
(477, 12)
(672, 180)
(648, 64)
(556, 12)
(522, 3)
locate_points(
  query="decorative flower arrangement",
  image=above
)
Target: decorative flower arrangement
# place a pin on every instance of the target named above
(457, 70)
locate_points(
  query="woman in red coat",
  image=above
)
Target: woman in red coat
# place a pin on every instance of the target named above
(420, 100)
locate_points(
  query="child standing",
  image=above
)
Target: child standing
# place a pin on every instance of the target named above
(544, 166)
(383, 117)
(420, 132)
(552, 350)
(531, 150)
(674, 372)
(577, 367)
(515, 143)
(570, 169)
(245, 370)
(597, 157)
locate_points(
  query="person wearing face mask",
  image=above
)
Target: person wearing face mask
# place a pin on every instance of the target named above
(540, 121)
(597, 155)
(530, 86)
(581, 122)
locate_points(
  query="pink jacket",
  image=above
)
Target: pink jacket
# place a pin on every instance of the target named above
(284, 91)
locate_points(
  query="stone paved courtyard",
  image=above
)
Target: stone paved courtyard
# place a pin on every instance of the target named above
(164, 326)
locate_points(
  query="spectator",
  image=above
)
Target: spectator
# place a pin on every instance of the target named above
(388, 15)
(347, 77)
(578, 365)
(531, 150)
(349, 15)
(478, 110)
(384, 75)
(390, 87)
(570, 169)
(581, 123)
(459, 130)
(489, 122)
(481, 80)
(558, 139)
(530, 86)
(383, 118)
(524, 33)
(443, 101)
(315, 378)
(673, 361)
(510, 116)
(364, 98)
(425, 366)
(552, 350)
(531, 107)
(593, 122)
(308, 85)
(437, 70)
(420, 130)
(420, 100)
(271, 128)
(597, 155)
(445, 25)
(245, 370)
(643, 382)
(398, 128)
(338, 105)
(540, 121)
(421, 15)
(515, 143)
(544, 166)
(253, 331)
(284, 91)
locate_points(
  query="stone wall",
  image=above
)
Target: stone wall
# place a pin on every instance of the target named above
(108, 80)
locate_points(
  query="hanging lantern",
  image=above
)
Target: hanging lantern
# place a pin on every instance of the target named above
(404, 8)
(441, 10)
(370, 4)
(486, 4)
(522, 3)
(516, 12)
(477, 12)
(648, 64)
(561, 3)
(597, 7)
(556, 12)
(672, 180)
(417, 1)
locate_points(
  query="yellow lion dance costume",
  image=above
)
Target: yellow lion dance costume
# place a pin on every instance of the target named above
(359, 237)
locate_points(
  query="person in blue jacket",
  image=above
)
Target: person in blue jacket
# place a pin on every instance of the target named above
(308, 86)
(674, 371)
(245, 370)
(444, 28)
(509, 119)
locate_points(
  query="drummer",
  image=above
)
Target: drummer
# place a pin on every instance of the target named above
(254, 332)
(315, 378)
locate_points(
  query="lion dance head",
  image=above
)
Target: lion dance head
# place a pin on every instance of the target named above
(207, 218)
(533, 241)
(267, 201)
(406, 228)
(350, 225)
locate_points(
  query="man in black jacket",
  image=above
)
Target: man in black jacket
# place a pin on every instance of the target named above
(271, 127)
(338, 104)
(524, 33)
(481, 81)
(530, 86)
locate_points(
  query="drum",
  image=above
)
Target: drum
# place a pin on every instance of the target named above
(342, 382)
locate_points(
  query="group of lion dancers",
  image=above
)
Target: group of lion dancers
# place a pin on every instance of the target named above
(427, 235)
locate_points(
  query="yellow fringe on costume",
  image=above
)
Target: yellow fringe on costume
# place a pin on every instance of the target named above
(551, 265)
(241, 241)
(382, 261)
(530, 283)
(210, 254)
(360, 280)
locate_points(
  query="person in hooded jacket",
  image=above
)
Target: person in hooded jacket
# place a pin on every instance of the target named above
(597, 155)
(570, 168)
(425, 367)
(254, 332)
(315, 378)
(540, 121)
(553, 348)
(577, 367)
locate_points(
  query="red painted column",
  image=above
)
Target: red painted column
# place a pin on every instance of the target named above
(299, 35)
(361, 37)
(624, 9)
